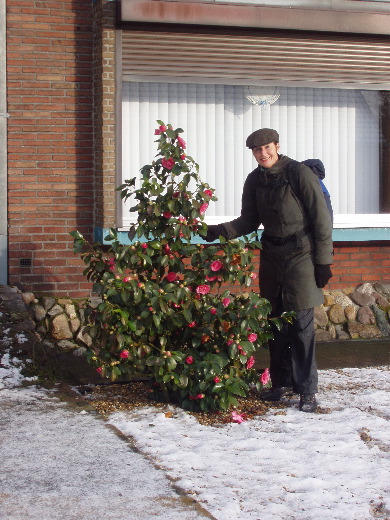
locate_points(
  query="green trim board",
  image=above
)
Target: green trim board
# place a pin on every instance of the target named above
(339, 235)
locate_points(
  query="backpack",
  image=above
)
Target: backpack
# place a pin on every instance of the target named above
(318, 168)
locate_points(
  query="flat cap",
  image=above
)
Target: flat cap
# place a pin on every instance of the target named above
(262, 137)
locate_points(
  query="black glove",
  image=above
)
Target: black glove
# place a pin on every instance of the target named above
(214, 232)
(322, 274)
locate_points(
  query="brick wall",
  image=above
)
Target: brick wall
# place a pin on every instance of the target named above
(50, 141)
(61, 146)
(353, 265)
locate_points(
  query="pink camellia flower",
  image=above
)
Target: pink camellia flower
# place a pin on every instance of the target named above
(250, 362)
(167, 214)
(160, 130)
(213, 310)
(265, 377)
(99, 370)
(144, 246)
(229, 342)
(216, 380)
(168, 163)
(241, 351)
(225, 302)
(216, 265)
(192, 324)
(238, 417)
(127, 279)
(252, 337)
(200, 396)
(183, 156)
(171, 276)
(211, 278)
(253, 276)
(111, 264)
(209, 193)
(203, 208)
(124, 354)
(181, 142)
(203, 289)
(189, 360)
(167, 249)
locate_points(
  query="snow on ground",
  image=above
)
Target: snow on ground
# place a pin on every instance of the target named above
(286, 465)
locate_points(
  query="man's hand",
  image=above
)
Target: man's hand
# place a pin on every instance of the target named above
(322, 274)
(214, 232)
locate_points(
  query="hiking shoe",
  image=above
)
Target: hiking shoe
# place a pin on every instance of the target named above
(308, 403)
(275, 393)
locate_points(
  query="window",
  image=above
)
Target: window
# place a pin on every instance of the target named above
(342, 127)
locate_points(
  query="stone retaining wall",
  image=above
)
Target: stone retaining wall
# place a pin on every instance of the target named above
(362, 312)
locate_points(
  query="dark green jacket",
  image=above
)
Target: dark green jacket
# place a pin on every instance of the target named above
(268, 199)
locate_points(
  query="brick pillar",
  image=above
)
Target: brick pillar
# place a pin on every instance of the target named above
(104, 112)
(50, 142)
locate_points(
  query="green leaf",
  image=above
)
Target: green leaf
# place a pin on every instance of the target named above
(171, 363)
(183, 380)
(232, 350)
(171, 134)
(187, 314)
(132, 325)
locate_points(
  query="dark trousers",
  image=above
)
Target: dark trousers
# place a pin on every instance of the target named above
(292, 353)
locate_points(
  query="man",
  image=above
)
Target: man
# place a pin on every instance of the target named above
(295, 259)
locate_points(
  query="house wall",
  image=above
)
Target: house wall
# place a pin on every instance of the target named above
(51, 132)
(61, 146)
(354, 264)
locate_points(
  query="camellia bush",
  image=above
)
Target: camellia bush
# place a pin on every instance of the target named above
(164, 314)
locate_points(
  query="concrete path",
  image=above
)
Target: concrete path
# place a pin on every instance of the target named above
(61, 462)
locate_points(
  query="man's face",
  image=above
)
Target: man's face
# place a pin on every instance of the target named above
(266, 155)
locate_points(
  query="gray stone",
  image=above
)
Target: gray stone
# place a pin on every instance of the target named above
(64, 301)
(365, 316)
(381, 301)
(358, 330)
(70, 310)
(28, 297)
(48, 302)
(332, 331)
(381, 320)
(56, 310)
(336, 313)
(84, 337)
(82, 316)
(39, 312)
(323, 335)
(342, 299)
(320, 316)
(350, 312)
(340, 333)
(366, 288)
(75, 325)
(79, 352)
(383, 288)
(94, 301)
(362, 298)
(48, 343)
(60, 327)
(67, 345)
